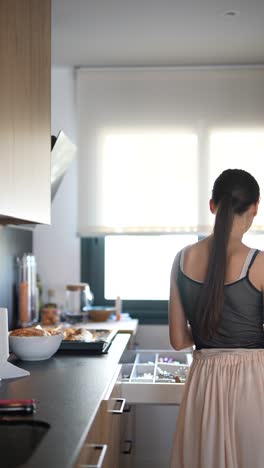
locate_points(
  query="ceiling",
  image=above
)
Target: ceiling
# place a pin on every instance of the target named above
(157, 32)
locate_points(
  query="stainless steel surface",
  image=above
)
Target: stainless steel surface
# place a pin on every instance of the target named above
(63, 153)
(27, 290)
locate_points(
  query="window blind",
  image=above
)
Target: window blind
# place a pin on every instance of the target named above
(152, 141)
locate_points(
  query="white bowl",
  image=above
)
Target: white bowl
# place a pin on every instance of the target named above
(35, 348)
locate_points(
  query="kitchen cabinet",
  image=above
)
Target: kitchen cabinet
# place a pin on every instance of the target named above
(25, 136)
(152, 377)
(102, 447)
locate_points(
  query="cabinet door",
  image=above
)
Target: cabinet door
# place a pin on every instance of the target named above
(25, 110)
(127, 437)
(94, 450)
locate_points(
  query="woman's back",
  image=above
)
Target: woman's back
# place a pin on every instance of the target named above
(218, 289)
(196, 262)
(240, 325)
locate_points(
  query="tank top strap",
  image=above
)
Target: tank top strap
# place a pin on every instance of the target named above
(255, 253)
(248, 262)
(245, 269)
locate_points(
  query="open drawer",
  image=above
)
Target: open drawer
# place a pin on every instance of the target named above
(154, 376)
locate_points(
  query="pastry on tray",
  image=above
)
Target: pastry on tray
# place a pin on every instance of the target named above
(77, 334)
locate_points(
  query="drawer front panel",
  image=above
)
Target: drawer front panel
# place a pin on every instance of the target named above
(149, 393)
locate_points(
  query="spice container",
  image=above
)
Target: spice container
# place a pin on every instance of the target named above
(27, 290)
(50, 313)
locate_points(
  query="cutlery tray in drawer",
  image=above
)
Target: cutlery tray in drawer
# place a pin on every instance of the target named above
(154, 376)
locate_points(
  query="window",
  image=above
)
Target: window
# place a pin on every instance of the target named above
(151, 143)
(242, 149)
(149, 180)
(135, 267)
(255, 241)
(152, 139)
(138, 267)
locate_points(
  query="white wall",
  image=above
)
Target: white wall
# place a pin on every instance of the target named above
(57, 247)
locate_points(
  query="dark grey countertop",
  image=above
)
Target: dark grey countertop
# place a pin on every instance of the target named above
(68, 390)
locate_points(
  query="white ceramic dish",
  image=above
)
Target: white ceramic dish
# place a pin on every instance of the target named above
(35, 348)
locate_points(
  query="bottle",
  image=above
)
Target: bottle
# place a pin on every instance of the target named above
(118, 308)
(50, 313)
(27, 290)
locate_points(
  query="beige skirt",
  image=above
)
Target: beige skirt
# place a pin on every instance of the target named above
(221, 417)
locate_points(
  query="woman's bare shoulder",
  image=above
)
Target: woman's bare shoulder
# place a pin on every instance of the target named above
(259, 261)
(196, 259)
(199, 248)
(256, 273)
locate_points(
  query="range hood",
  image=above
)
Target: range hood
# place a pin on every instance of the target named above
(63, 151)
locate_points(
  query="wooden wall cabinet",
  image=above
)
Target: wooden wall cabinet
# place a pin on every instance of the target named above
(25, 135)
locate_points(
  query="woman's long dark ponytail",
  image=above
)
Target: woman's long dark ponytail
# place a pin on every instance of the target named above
(233, 193)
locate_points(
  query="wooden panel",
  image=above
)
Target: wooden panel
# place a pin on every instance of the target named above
(89, 455)
(25, 41)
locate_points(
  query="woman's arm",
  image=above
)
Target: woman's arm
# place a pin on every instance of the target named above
(180, 332)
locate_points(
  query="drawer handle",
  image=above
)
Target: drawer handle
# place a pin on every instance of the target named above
(102, 448)
(129, 448)
(121, 409)
(127, 409)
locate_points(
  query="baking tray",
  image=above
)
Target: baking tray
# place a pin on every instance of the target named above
(100, 345)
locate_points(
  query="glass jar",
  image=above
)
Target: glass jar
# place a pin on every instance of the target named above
(78, 301)
(27, 290)
(50, 313)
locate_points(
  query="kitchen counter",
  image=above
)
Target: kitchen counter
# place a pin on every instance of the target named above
(68, 390)
(125, 325)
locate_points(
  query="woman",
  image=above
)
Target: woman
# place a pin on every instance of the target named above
(216, 286)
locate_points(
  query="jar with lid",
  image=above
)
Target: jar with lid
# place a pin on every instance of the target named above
(78, 301)
(50, 313)
(27, 290)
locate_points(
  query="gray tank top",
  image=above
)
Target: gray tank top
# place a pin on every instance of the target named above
(241, 324)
